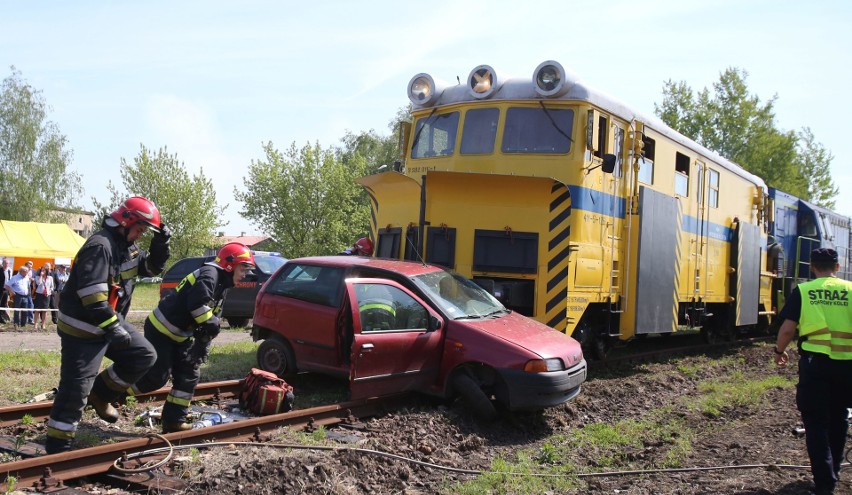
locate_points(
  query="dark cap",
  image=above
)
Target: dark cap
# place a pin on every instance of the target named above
(823, 255)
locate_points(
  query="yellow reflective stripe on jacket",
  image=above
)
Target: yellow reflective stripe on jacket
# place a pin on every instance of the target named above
(109, 321)
(166, 328)
(93, 294)
(202, 314)
(78, 328)
(129, 269)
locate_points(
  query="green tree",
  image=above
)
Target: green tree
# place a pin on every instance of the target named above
(380, 152)
(740, 127)
(816, 162)
(187, 204)
(306, 198)
(35, 160)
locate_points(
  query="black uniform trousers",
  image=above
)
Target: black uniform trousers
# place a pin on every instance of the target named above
(173, 360)
(81, 360)
(823, 396)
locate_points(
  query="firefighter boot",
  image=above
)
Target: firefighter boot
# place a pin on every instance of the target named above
(55, 445)
(104, 409)
(178, 426)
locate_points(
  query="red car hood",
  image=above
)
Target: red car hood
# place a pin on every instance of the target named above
(533, 336)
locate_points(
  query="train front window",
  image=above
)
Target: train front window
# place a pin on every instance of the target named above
(538, 130)
(435, 135)
(479, 131)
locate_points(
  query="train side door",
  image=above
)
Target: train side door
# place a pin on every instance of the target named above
(699, 251)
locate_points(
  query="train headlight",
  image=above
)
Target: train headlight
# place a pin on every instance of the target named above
(423, 90)
(482, 81)
(543, 365)
(551, 79)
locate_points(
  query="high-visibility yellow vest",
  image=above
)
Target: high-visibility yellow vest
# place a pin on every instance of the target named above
(825, 324)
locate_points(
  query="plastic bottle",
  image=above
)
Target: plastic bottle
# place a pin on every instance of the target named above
(207, 419)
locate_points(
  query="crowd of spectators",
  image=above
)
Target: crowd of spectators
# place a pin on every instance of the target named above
(30, 294)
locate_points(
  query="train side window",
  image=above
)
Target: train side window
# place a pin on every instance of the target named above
(807, 225)
(646, 161)
(479, 131)
(441, 247)
(505, 251)
(388, 243)
(713, 194)
(435, 135)
(619, 151)
(681, 174)
(603, 134)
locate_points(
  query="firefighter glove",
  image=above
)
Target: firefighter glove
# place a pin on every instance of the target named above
(200, 350)
(209, 329)
(117, 336)
(159, 252)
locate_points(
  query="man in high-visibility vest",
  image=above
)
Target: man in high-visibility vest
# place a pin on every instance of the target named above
(820, 309)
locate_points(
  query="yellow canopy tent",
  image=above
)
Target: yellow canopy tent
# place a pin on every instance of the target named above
(38, 242)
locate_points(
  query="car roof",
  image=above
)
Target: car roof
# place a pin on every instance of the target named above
(407, 268)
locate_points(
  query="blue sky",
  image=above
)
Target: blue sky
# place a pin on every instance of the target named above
(214, 80)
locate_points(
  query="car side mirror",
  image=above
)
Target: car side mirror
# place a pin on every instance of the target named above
(434, 323)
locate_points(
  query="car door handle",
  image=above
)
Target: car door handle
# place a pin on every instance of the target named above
(367, 347)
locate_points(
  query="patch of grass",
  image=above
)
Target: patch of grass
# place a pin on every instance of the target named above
(506, 477)
(24, 374)
(229, 361)
(145, 297)
(734, 391)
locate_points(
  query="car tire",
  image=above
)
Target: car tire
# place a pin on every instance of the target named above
(237, 322)
(276, 356)
(474, 398)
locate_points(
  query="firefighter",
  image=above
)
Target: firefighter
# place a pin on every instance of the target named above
(362, 247)
(821, 311)
(182, 327)
(91, 325)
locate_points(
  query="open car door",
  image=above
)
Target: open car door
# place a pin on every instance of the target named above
(398, 339)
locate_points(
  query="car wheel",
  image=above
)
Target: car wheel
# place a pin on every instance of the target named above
(237, 322)
(474, 398)
(275, 355)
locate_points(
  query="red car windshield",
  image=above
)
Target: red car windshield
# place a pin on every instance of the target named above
(458, 296)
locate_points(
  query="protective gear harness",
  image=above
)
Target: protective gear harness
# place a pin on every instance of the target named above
(825, 325)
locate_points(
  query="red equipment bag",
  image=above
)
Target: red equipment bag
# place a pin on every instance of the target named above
(264, 393)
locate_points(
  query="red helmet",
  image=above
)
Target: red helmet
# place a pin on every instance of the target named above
(233, 254)
(137, 209)
(365, 246)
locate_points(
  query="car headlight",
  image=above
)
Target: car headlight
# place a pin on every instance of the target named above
(544, 365)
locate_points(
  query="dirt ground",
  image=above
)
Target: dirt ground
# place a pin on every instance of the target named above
(433, 441)
(764, 434)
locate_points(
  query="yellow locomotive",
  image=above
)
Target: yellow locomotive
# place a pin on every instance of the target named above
(574, 209)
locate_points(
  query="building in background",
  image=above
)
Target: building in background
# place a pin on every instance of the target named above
(254, 242)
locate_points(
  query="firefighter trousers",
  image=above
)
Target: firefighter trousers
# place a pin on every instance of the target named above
(173, 360)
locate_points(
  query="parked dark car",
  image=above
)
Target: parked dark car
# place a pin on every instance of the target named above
(238, 308)
(391, 326)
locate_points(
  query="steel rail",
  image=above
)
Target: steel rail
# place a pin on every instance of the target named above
(39, 411)
(51, 471)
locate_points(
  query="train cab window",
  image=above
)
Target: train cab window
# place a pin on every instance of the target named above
(646, 161)
(603, 130)
(479, 131)
(618, 149)
(808, 226)
(681, 174)
(538, 130)
(827, 228)
(435, 135)
(713, 189)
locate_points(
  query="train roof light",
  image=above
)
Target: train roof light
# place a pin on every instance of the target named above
(482, 81)
(551, 79)
(423, 90)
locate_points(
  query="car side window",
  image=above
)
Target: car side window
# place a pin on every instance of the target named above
(315, 284)
(385, 308)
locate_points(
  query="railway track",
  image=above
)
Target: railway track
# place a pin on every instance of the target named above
(48, 473)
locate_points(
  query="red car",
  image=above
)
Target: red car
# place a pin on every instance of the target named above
(392, 326)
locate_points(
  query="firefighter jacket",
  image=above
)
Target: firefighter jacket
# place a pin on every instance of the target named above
(107, 264)
(195, 303)
(825, 324)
